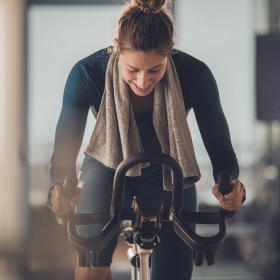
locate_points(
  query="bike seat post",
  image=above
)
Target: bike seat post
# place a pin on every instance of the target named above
(144, 256)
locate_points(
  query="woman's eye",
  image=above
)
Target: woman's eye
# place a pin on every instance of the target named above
(151, 71)
(154, 71)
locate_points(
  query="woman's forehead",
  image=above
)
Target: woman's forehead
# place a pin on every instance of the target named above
(139, 59)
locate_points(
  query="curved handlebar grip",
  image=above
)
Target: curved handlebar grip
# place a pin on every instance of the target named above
(225, 187)
(69, 186)
(95, 244)
(201, 245)
(119, 180)
(224, 182)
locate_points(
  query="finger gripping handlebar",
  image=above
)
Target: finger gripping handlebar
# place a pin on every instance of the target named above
(68, 189)
(225, 187)
(69, 186)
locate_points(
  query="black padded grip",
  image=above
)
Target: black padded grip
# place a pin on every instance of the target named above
(225, 185)
(69, 186)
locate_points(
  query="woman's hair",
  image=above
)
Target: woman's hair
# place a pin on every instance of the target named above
(145, 25)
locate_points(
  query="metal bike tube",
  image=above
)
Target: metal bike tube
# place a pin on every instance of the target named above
(133, 273)
(144, 269)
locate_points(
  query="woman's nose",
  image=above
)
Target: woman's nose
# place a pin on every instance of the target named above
(142, 80)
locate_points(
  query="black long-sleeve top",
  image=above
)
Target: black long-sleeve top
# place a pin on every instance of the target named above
(84, 89)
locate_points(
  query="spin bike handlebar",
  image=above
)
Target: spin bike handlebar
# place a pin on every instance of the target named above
(201, 246)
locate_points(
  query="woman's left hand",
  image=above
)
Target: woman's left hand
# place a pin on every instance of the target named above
(233, 200)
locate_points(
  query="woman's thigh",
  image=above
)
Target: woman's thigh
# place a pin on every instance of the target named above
(96, 181)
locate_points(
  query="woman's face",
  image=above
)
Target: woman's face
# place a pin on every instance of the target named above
(142, 70)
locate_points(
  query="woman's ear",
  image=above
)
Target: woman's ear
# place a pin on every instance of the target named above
(116, 47)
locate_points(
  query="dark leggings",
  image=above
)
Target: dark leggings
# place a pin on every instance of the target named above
(172, 258)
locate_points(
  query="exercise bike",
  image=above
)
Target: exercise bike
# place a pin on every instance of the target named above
(142, 222)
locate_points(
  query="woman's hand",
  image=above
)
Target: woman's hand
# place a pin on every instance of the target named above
(233, 200)
(62, 205)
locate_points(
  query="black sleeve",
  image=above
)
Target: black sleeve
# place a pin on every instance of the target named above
(212, 123)
(71, 125)
(83, 90)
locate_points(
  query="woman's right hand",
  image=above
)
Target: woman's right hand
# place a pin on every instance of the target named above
(62, 205)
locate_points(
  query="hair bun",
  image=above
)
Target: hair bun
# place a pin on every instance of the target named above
(153, 5)
(146, 25)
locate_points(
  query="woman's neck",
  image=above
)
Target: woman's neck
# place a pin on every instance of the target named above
(141, 104)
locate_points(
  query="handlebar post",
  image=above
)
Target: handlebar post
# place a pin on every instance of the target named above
(177, 194)
(118, 190)
(81, 259)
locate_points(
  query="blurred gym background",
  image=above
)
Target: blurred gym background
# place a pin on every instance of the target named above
(40, 41)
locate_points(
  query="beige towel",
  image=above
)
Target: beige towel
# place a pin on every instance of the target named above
(115, 136)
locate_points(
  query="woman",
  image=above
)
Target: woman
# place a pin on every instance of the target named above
(140, 92)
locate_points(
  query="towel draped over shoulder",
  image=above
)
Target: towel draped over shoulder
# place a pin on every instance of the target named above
(115, 136)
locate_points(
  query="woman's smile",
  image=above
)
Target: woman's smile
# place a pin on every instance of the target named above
(142, 89)
(142, 70)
